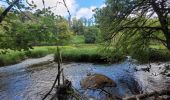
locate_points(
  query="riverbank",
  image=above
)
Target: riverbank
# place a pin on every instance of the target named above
(13, 57)
(81, 53)
(76, 53)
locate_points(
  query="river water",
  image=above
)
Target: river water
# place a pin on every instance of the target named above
(25, 82)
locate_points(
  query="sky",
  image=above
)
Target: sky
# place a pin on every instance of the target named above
(85, 7)
(78, 8)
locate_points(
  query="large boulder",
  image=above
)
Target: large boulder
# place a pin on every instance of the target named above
(96, 81)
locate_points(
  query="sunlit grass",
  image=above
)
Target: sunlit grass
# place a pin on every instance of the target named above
(82, 53)
(78, 39)
(77, 53)
(13, 57)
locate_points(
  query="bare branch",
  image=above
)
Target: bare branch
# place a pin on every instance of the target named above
(68, 12)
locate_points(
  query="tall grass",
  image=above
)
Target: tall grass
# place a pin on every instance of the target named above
(77, 53)
(78, 39)
(153, 55)
(82, 53)
(13, 57)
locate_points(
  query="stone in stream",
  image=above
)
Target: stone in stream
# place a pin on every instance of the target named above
(96, 81)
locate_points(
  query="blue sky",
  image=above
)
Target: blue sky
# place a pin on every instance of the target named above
(78, 8)
(88, 3)
(85, 7)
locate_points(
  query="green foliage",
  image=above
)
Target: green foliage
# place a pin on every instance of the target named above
(128, 27)
(17, 32)
(77, 26)
(77, 53)
(154, 55)
(11, 58)
(64, 33)
(78, 39)
(82, 53)
(91, 34)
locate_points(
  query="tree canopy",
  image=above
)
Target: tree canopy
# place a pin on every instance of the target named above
(41, 28)
(22, 28)
(135, 23)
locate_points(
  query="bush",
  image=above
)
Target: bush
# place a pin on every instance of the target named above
(113, 55)
(11, 58)
(153, 55)
(78, 39)
(159, 55)
(37, 53)
(91, 34)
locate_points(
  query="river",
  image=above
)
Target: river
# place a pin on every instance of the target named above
(26, 82)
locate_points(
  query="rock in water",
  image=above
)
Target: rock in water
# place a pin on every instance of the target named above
(96, 81)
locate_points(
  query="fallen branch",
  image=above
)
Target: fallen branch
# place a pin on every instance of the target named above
(78, 95)
(63, 91)
(58, 75)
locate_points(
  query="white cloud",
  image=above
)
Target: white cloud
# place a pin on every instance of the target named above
(85, 12)
(72, 6)
(60, 9)
(103, 5)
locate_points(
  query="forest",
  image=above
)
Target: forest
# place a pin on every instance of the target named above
(122, 52)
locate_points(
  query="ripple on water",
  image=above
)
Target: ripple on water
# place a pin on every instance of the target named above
(31, 83)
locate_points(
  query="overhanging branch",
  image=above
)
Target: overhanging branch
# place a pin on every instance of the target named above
(7, 10)
(145, 27)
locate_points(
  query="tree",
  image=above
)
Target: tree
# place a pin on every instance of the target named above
(91, 34)
(18, 32)
(135, 21)
(23, 29)
(77, 26)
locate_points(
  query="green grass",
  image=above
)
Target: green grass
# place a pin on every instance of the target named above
(81, 53)
(40, 51)
(159, 55)
(13, 57)
(155, 54)
(78, 39)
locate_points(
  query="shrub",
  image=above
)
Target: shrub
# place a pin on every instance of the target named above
(91, 34)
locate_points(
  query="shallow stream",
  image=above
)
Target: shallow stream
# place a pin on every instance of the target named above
(25, 82)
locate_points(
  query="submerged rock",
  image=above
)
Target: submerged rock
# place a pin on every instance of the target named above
(96, 81)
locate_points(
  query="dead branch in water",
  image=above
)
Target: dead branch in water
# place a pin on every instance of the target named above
(63, 91)
(53, 85)
(58, 75)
